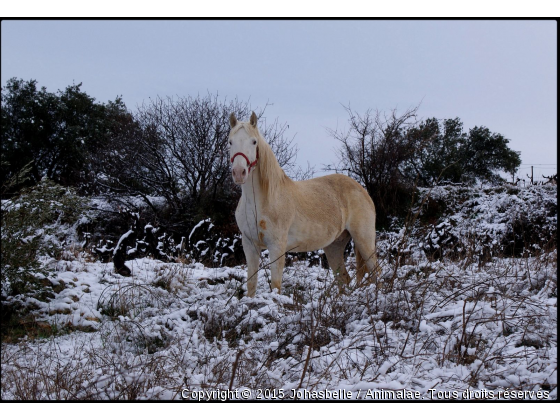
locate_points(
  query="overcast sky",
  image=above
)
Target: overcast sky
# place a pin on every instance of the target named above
(498, 74)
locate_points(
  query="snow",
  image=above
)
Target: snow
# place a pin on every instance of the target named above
(199, 224)
(122, 238)
(195, 327)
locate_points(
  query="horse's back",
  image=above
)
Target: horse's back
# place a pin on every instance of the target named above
(346, 191)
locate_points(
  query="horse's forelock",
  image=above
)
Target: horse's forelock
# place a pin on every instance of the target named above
(251, 131)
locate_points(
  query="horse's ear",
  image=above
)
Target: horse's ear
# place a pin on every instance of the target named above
(232, 120)
(253, 119)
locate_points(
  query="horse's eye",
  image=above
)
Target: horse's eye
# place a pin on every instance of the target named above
(254, 142)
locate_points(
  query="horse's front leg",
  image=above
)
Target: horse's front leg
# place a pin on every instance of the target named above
(252, 254)
(277, 254)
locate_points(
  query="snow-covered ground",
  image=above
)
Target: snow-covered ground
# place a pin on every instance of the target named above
(427, 330)
(449, 318)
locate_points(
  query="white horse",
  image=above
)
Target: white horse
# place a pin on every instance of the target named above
(283, 215)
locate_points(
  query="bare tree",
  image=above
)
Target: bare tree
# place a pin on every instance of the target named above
(179, 152)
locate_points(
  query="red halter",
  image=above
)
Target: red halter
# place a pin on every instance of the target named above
(249, 163)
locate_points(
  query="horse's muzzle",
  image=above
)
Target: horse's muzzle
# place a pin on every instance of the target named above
(239, 175)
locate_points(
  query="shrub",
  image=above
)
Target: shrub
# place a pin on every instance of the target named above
(35, 224)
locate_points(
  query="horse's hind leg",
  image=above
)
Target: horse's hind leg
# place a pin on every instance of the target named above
(335, 257)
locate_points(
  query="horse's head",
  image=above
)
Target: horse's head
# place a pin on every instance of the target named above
(243, 150)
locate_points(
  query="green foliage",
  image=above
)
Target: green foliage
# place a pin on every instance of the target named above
(446, 153)
(60, 132)
(486, 153)
(438, 151)
(30, 225)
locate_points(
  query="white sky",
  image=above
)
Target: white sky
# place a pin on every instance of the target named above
(499, 74)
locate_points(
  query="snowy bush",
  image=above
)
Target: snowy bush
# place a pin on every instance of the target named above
(39, 223)
(213, 248)
(477, 224)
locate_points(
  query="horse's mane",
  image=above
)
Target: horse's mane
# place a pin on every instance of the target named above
(271, 173)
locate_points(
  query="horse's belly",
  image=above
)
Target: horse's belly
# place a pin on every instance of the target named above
(310, 237)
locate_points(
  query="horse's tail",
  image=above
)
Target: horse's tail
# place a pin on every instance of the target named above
(361, 268)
